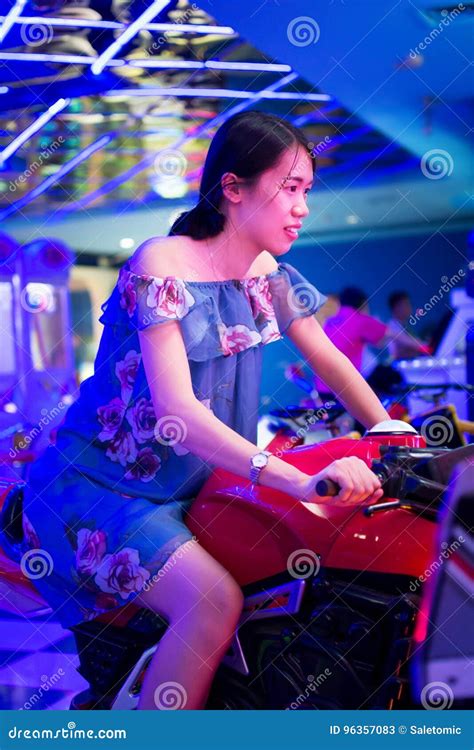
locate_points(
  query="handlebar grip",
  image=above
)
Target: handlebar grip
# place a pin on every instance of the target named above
(327, 488)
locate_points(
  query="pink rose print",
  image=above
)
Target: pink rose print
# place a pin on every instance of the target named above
(169, 298)
(126, 371)
(110, 417)
(121, 573)
(235, 339)
(145, 466)
(260, 297)
(91, 548)
(270, 332)
(122, 448)
(128, 294)
(142, 420)
(30, 534)
(123, 277)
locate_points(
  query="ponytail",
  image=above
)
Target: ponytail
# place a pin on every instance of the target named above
(204, 220)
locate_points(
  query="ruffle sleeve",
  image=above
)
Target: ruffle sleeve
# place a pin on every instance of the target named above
(216, 318)
(293, 296)
(140, 301)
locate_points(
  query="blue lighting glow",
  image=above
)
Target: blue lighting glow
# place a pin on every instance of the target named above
(127, 34)
(183, 28)
(199, 131)
(145, 63)
(11, 18)
(63, 170)
(32, 129)
(67, 59)
(221, 94)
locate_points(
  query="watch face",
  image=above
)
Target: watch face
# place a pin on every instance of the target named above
(259, 461)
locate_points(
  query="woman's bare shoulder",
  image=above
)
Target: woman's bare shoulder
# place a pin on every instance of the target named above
(159, 256)
(263, 264)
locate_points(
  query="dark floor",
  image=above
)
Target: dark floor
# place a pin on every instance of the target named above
(37, 664)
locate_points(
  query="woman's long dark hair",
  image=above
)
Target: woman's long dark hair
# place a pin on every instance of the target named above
(247, 144)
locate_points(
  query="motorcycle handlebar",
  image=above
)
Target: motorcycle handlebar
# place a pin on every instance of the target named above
(327, 488)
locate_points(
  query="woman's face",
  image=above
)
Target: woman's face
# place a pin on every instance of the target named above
(271, 211)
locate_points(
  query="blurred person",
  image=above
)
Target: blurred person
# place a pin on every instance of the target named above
(403, 344)
(351, 330)
(328, 309)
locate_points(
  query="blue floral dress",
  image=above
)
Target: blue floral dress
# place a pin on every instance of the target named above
(104, 507)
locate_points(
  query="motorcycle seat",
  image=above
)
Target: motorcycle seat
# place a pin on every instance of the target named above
(11, 518)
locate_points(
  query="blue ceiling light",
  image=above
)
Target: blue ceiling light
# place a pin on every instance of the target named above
(221, 94)
(183, 28)
(48, 58)
(163, 64)
(63, 170)
(215, 122)
(11, 18)
(315, 114)
(129, 32)
(212, 65)
(32, 129)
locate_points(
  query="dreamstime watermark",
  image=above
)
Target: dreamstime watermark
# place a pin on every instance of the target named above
(36, 34)
(301, 432)
(445, 288)
(437, 695)
(48, 416)
(448, 17)
(437, 430)
(303, 563)
(318, 148)
(34, 166)
(46, 684)
(170, 430)
(303, 298)
(303, 31)
(37, 297)
(436, 164)
(312, 686)
(163, 39)
(447, 551)
(170, 696)
(36, 563)
(70, 732)
(170, 164)
(170, 563)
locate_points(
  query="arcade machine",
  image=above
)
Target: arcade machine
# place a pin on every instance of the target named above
(11, 390)
(448, 363)
(452, 362)
(41, 381)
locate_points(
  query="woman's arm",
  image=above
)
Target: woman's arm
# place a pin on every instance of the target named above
(336, 370)
(169, 381)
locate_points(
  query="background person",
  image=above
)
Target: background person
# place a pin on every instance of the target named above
(403, 344)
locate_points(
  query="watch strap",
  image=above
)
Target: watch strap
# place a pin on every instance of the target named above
(255, 471)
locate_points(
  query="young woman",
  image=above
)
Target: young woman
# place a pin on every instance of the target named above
(175, 392)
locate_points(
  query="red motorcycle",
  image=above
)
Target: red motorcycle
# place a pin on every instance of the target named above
(337, 614)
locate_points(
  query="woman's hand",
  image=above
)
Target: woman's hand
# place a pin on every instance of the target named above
(357, 482)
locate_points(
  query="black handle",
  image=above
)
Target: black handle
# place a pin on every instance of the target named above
(327, 488)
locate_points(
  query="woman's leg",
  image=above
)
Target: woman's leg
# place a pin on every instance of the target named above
(202, 604)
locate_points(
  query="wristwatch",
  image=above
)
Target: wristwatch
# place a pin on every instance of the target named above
(257, 463)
